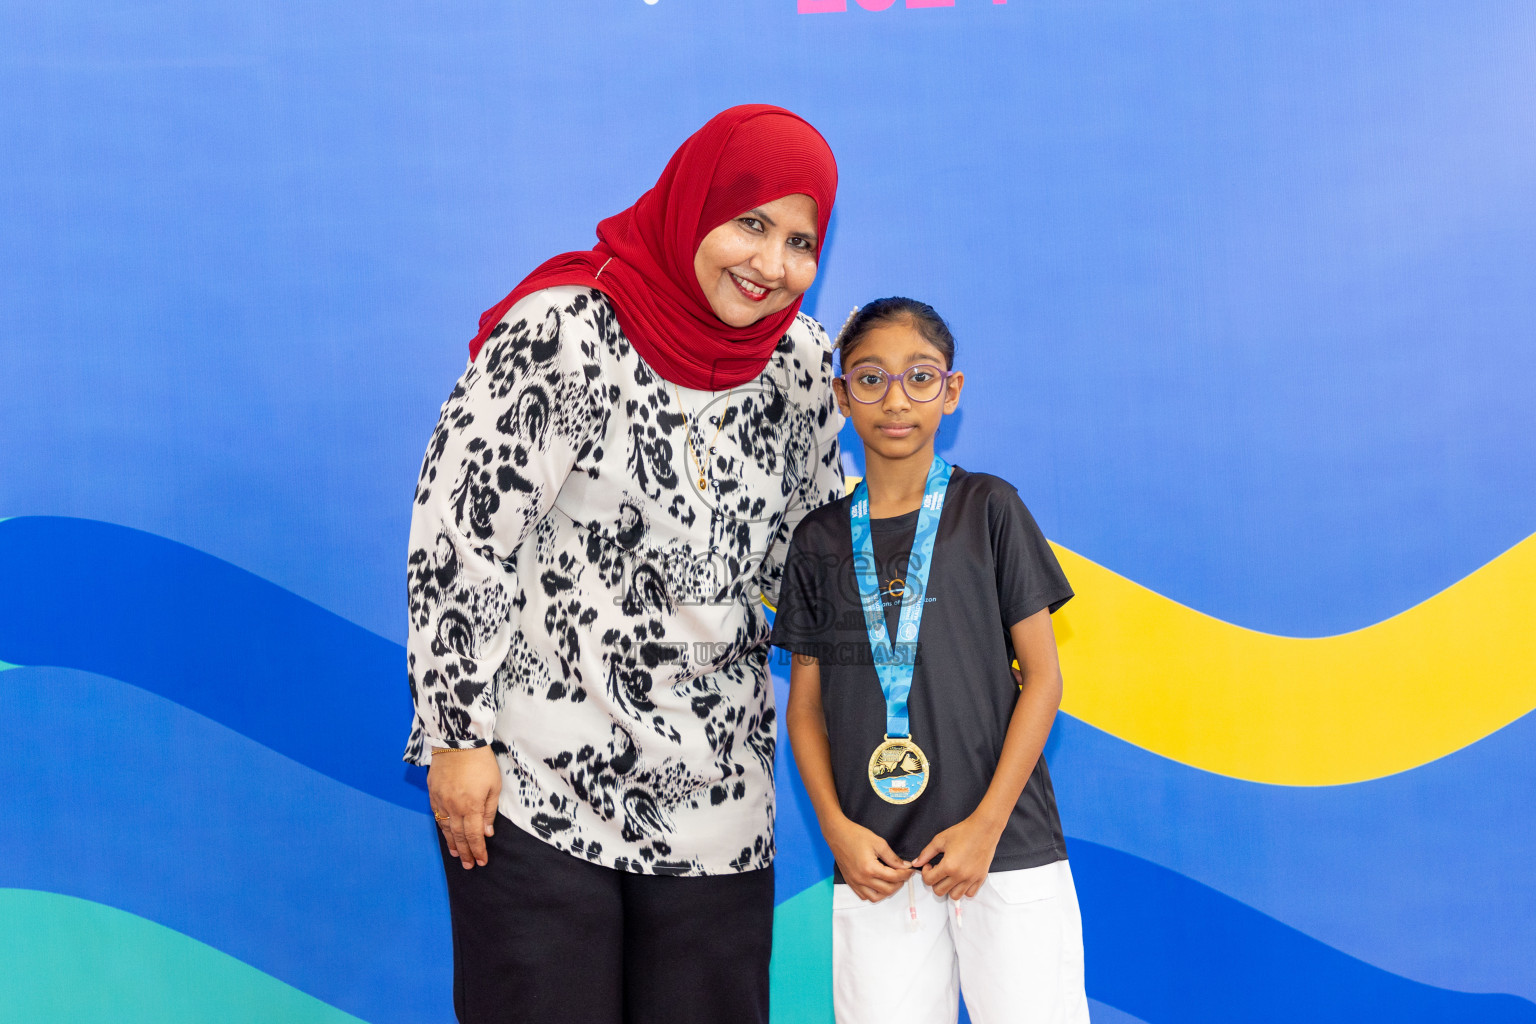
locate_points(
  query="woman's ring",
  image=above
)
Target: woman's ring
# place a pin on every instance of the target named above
(442, 817)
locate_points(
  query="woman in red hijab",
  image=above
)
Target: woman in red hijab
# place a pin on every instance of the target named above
(603, 507)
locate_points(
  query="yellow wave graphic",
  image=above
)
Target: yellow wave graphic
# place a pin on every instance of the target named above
(1301, 711)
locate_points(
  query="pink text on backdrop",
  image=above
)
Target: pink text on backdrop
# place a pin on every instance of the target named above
(838, 6)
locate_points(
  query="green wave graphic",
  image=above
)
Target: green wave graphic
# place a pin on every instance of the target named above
(800, 977)
(70, 960)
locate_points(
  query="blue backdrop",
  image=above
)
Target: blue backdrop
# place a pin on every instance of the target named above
(1243, 293)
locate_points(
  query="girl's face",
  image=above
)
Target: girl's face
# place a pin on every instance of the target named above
(760, 262)
(897, 427)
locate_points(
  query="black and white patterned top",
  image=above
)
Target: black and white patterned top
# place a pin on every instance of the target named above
(578, 603)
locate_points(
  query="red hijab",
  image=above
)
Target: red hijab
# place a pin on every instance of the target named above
(643, 261)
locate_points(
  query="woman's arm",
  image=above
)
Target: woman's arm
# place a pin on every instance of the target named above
(968, 846)
(506, 440)
(821, 480)
(867, 862)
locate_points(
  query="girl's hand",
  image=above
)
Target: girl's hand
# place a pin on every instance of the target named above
(869, 866)
(967, 849)
(463, 787)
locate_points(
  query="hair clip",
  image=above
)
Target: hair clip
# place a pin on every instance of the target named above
(838, 341)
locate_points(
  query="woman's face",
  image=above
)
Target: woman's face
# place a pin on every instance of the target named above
(760, 262)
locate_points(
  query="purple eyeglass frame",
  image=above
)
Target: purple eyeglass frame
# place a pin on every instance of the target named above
(944, 376)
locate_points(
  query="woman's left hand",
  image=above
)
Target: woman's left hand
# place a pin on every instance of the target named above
(967, 849)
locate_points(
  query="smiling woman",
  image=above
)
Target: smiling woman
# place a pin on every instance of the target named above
(760, 262)
(610, 489)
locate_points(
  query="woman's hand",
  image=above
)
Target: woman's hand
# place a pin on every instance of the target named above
(870, 867)
(967, 849)
(463, 787)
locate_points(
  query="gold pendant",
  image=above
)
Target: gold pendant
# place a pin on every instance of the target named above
(701, 483)
(898, 770)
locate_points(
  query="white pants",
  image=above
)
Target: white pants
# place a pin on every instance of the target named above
(1016, 947)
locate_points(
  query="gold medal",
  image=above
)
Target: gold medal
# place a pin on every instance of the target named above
(898, 770)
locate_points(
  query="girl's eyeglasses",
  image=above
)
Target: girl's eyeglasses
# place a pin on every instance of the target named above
(868, 384)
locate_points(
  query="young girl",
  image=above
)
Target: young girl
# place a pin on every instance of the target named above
(903, 604)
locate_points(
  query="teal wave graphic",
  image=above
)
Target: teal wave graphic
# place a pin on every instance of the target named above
(319, 885)
(66, 959)
(161, 812)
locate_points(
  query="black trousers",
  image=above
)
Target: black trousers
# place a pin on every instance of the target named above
(542, 937)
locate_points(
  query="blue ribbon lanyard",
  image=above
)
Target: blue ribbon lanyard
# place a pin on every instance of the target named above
(894, 667)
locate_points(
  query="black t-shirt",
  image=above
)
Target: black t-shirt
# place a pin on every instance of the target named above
(992, 568)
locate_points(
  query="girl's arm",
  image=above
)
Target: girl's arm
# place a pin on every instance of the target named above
(968, 846)
(868, 864)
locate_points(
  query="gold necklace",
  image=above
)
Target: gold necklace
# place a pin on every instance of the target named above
(698, 464)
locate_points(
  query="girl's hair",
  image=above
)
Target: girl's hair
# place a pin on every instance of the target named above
(897, 309)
